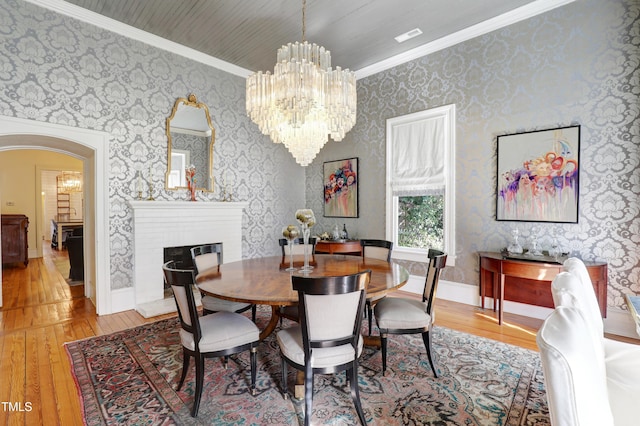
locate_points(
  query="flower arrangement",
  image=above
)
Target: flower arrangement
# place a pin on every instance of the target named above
(190, 174)
(305, 217)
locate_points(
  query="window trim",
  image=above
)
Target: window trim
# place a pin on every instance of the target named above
(448, 112)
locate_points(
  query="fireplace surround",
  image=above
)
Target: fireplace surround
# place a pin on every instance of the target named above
(161, 224)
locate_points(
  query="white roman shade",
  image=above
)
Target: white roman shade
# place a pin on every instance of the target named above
(418, 163)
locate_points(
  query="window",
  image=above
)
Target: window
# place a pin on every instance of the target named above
(179, 162)
(420, 197)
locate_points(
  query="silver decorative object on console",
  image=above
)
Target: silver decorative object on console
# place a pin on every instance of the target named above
(515, 247)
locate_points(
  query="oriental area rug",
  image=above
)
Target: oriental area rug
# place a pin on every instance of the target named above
(130, 378)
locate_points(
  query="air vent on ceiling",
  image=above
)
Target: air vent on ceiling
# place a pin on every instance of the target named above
(409, 34)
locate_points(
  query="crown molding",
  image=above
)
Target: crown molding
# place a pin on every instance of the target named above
(520, 14)
(128, 31)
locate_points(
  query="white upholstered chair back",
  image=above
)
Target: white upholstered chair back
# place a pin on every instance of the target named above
(373, 252)
(334, 323)
(180, 295)
(583, 293)
(298, 246)
(206, 261)
(206, 256)
(568, 290)
(376, 249)
(574, 371)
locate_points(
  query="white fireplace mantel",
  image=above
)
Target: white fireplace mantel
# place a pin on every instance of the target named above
(160, 224)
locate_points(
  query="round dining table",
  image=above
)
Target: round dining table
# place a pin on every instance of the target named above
(265, 280)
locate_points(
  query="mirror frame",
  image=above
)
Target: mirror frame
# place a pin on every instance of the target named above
(191, 101)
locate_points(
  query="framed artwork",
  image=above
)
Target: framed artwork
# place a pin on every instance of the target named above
(340, 181)
(538, 175)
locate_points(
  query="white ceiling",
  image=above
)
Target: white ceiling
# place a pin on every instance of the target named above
(242, 36)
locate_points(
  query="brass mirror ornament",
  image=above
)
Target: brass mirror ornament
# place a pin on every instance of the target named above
(190, 136)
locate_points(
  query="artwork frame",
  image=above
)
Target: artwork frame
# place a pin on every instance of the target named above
(340, 182)
(538, 175)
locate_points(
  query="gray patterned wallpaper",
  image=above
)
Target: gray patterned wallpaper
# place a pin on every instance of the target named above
(574, 65)
(578, 64)
(57, 69)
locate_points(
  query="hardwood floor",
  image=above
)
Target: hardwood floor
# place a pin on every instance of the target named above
(41, 312)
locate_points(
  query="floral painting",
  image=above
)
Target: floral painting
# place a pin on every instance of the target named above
(538, 176)
(340, 180)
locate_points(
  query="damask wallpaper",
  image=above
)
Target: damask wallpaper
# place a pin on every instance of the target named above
(60, 70)
(578, 64)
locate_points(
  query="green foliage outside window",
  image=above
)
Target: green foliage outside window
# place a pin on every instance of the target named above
(421, 221)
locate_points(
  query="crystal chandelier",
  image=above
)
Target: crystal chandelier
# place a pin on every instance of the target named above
(304, 100)
(71, 181)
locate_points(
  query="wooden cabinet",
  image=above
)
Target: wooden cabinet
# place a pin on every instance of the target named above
(14, 238)
(340, 246)
(529, 281)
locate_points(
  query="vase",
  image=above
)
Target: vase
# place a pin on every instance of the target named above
(305, 240)
(290, 232)
(306, 219)
(192, 191)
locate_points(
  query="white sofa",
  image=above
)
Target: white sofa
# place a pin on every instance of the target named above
(573, 349)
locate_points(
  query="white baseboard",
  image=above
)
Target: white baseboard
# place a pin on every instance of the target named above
(123, 299)
(618, 322)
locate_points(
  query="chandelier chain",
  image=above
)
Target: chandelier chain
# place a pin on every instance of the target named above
(304, 20)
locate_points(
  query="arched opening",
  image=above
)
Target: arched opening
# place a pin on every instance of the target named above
(92, 148)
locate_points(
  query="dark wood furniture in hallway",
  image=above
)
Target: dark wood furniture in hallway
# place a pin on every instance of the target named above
(15, 247)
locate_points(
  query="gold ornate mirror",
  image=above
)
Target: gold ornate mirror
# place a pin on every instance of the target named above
(191, 137)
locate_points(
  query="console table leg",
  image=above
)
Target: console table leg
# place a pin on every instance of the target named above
(501, 299)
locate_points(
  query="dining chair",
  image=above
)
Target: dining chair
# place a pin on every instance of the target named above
(328, 339)
(573, 288)
(399, 315)
(216, 335)
(575, 373)
(298, 247)
(291, 312)
(375, 249)
(209, 256)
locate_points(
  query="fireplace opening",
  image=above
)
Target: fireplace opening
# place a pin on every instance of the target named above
(181, 255)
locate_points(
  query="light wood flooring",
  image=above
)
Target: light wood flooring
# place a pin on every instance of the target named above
(41, 312)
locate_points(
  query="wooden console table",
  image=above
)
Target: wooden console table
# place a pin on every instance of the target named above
(339, 247)
(529, 281)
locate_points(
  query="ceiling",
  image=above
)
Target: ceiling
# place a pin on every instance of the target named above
(244, 35)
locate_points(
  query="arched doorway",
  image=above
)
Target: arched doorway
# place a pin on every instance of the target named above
(92, 147)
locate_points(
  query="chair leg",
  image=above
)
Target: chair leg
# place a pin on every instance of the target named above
(254, 367)
(254, 309)
(383, 350)
(199, 384)
(369, 314)
(185, 366)
(426, 338)
(285, 394)
(308, 394)
(355, 391)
